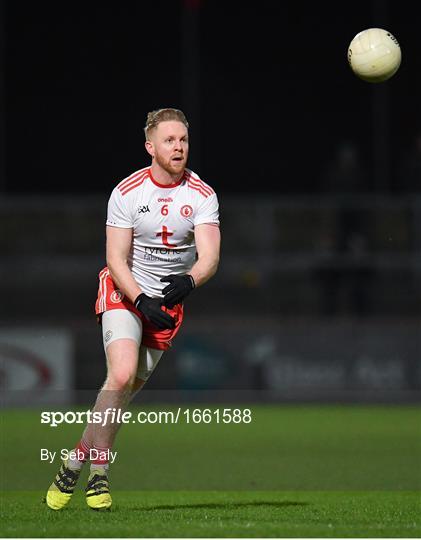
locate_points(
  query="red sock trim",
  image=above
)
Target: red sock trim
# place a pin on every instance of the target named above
(83, 448)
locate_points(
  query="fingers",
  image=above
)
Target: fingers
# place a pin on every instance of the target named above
(168, 322)
(169, 278)
(169, 305)
(177, 289)
(164, 321)
(164, 325)
(172, 297)
(167, 289)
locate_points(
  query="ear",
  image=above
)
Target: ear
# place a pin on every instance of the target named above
(150, 148)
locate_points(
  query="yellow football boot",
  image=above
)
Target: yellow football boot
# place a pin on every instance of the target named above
(98, 491)
(61, 490)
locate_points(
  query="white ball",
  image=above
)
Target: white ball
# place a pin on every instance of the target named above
(374, 55)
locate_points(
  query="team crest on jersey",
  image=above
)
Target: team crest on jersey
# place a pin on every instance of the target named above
(186, 210)
(116, 296)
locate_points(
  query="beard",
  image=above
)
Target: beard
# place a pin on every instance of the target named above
(170, 166)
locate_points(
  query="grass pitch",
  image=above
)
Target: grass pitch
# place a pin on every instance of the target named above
(294, 471)
(220, 514)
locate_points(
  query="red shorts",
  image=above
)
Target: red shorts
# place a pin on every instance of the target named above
(111, 298)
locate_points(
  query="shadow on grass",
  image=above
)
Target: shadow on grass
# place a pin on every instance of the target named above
(227, 505)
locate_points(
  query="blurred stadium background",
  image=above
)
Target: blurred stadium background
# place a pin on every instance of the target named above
(319, 290)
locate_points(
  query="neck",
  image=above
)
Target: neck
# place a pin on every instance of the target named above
(164, 177)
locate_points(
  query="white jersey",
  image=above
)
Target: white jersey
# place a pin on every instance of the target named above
(163, 219)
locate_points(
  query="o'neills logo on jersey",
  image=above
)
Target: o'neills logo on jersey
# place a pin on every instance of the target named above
(116, 297)
(186, 210)
(165, 199)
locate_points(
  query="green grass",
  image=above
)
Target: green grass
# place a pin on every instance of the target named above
(294, 471)
(220, 514)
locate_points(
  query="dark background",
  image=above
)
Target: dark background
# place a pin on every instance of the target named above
(266, 87)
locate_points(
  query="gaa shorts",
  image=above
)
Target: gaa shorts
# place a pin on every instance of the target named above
(111, 298)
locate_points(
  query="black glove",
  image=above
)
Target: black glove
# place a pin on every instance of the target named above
(151, 309)
(179, 287)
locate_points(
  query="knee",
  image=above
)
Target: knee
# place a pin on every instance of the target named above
(122, 360)
(120, 381)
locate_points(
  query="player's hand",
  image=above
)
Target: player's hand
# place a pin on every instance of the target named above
(151, 309)
(177, 290)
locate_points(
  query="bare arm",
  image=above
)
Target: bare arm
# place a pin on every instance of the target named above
(119, 242)
(208, 241)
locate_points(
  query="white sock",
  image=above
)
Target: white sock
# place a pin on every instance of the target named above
(97, 466)
(75, 464)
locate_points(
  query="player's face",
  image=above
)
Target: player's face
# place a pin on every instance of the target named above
(170, 146)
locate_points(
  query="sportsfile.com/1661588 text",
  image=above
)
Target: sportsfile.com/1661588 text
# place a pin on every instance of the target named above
(176, 416)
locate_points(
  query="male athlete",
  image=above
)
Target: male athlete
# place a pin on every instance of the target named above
(163, 241)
